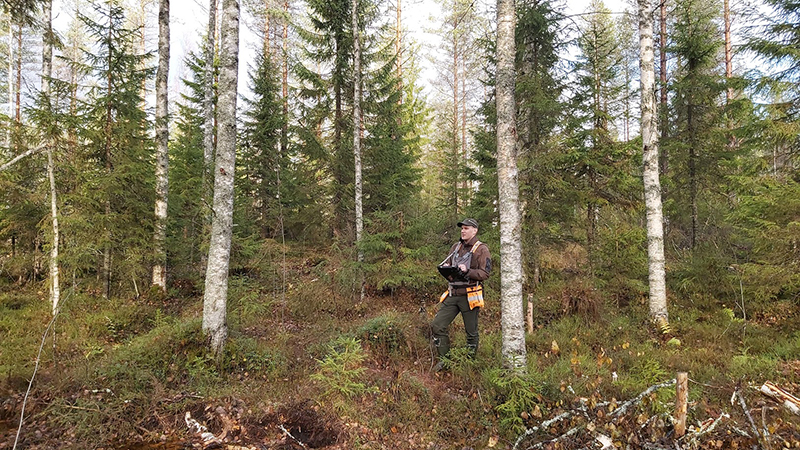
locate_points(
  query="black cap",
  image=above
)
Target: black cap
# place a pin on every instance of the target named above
(468, 222)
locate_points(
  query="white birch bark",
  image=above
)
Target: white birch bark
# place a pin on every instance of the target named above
(208, 94)
(512, 315)
(216, 290)
(652, 185)
(10, 76)
(162, 149)
(357, 135)
(47, 72)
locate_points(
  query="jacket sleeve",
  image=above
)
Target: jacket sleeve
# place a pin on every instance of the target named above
(481, 266)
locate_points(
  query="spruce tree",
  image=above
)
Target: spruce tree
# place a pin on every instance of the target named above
(116, 191)
(186, 208)
(593, 159)
(263, 166)
(697, 152)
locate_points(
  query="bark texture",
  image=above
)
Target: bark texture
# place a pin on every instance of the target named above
(162, 148)
(652, 185)
(513, 318)
(208, 94)
(357, 135)
(47, 72)
(216, 289)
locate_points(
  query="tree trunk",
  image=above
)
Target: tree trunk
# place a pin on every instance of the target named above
(464, 150)
(18, 87)
(47, 72)
(10, 75)
(105, 273)
(216, 289)
(513, 317)
(663, 78)
(398, 50)
(652, 185)
(456, 152)
(208, 102)
(162, 148)
(267, 43)
(728, 53)
(285, 79)
(357, 136)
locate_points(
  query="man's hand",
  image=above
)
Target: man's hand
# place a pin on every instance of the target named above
(462, 267)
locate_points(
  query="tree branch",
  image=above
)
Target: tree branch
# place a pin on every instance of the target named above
(20, 156)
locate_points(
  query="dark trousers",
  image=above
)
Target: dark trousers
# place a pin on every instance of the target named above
(448, 311)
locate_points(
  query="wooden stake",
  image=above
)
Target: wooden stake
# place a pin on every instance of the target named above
(682, 396)
(529, 316)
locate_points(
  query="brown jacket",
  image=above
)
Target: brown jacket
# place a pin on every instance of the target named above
(481, 266)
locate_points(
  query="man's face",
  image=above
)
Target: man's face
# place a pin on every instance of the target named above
(468, 232)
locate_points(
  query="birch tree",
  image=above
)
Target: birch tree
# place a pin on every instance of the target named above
(208, 94)
(357, 135)
(216, 289)
(652, 185)
(47, 72)
(162, 148)
(513, 323)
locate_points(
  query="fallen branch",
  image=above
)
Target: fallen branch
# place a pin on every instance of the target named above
(20, 156)
(198, 428)
(705, 428)
(624, 407)
(82, 409)
(290, 435)
(781, 396)
(759, 436)
(582, 409)
(543, 425)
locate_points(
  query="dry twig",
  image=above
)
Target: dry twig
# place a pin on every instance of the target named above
(290, 435)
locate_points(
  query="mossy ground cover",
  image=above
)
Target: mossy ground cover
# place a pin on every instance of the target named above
(312, 362)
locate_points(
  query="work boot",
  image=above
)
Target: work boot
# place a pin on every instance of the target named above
(440, 367)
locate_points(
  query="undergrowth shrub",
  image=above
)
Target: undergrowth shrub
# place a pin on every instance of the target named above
(248, 303)
(582, 300)
(23, 320)
(383, 335)
(248, 356)
(340, 373)
(122, 319)
(702, 275)
(621, 261)
(171, 354)
(515, 396)
(751, 367)
(645, 372)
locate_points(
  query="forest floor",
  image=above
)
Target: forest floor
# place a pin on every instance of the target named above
(309, 367)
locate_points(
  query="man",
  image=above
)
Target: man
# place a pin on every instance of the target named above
(465, 293)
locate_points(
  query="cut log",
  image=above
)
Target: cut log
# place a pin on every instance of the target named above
(781, 396)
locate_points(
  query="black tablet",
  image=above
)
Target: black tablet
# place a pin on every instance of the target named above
(451, 273)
